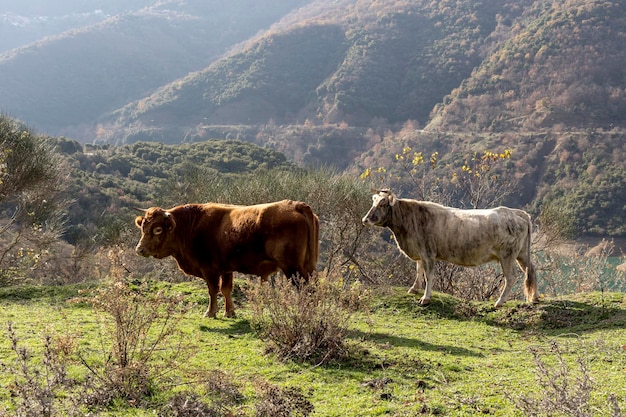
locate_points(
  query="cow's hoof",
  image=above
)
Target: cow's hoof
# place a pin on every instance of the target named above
(230, 314)
(210, 315)
(424, 301)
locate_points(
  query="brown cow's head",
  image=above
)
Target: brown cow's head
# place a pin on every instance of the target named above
(156, 227)
(380, 212)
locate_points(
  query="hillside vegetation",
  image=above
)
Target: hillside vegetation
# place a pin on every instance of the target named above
(541, 78)
(480, 64)
(106, 183)
(350, 83)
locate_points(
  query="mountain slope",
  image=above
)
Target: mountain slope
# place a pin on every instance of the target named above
(63, 83)
(393, 61)
(26, 21)
(561, 63)
(479, 65)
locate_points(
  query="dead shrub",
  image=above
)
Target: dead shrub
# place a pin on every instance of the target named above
(274, 401)
(481, 283)
(308, 322)
(578, 269)
(187, 404)
(39, 386)
(563, 390)
(138, 337)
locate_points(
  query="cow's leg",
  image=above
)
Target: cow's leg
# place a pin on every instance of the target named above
(508, 269)
(419, 272)
(296, 275)
(227, 291)
(427, 267)
(213, 282)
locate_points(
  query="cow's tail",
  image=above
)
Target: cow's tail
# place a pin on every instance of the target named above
(312, 253)
(530, 281)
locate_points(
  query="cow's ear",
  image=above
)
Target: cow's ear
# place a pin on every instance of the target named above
(392, 199)
(138, 221)
(171, 223)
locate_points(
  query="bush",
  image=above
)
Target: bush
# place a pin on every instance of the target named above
(31, 199)
(563, 390)
(37, 386)
(576, 270)
(275, 401)
(305, 324)
(221, 395)
(138, 325)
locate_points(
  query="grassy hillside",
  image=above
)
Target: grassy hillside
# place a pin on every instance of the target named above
(452, 358)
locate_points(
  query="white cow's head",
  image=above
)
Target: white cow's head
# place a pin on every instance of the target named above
(380, 212)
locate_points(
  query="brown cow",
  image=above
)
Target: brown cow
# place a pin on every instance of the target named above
(214, 240)
(426, 232)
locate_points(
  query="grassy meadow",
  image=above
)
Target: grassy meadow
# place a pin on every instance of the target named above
(453, 358)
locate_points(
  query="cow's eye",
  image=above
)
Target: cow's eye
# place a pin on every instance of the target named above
(157, 230)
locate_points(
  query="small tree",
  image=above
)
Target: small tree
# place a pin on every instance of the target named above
(30, 196)
(478, 182)
(140, 339)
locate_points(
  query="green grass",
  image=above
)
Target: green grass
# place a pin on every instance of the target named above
(451, 358)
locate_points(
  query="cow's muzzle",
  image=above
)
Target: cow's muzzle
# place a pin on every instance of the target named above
(141, 251)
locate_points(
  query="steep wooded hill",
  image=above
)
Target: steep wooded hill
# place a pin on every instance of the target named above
(480, 65)
(560, 64)
(63, 84)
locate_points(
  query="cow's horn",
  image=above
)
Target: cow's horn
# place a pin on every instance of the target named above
(140, 209)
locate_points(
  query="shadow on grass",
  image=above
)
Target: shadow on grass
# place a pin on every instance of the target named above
(400, 341)
(576, 314)
(48, 293)
(236, 327)
(572, 313)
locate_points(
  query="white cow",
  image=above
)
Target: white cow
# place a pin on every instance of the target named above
(427, 232)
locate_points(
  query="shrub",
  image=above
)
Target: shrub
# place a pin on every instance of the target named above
(37, 385)
(563, 390)
(305, 324)
(138, 325)
(574, 271)
(31, 200)
(275, 401)
(221, 395)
